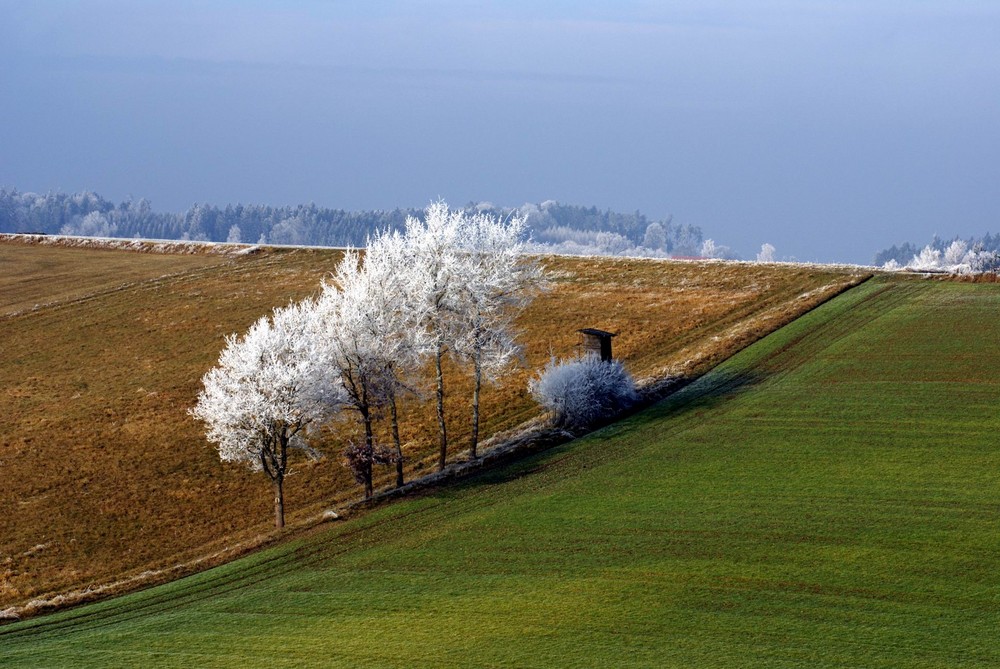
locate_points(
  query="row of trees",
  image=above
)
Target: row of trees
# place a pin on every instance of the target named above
(957, 257)
(557, 227)
(90, 215)
(976, 254)
(579, 230)
(450, 284)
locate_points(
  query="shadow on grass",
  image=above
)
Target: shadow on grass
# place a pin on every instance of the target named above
(712, 389)
(680, 397)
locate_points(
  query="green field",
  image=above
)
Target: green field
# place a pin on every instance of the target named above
(828, 497)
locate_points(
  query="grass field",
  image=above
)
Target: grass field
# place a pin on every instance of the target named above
(35, 275)
(827, 498)
(105, 476)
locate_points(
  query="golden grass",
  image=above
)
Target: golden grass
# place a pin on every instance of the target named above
(106, 476)
(49, 274)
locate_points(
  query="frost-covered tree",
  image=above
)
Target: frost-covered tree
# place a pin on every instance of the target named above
(584, 391)
(263, 394)
(497, 282)
(292, 231)
(655, 237)
(709, 249)
(611, 243)
(94, 224)
(956, 258)
(983, 260)
(235, 235)
(766, 253)
(688, 240)
(396, 320)
(467, 277)
(433, 282)
(928, 259)
(368, 338)
(956, 252)
(352, 356)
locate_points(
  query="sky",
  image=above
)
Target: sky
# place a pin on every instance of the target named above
(828, 129)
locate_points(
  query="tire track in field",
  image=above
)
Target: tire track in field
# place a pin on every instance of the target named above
(835, 327)
(685, 408)
(222, 270)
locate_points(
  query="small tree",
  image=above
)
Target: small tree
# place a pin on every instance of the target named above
(655, 237)
(432, 282)
(360, 457)
(497, 283)
(397, 320)
(366, 337)
(766, 253)
(264, 392)
(583, 392)
(467, 278)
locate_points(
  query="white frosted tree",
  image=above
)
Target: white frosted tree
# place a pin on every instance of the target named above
(467, 277)
(263, 393)
(655, 237)
(766, 253)
(497, 282)
(369, 339)
(94, 224)
(396, 321)
(956, 252)
(432, 288)
(928, 259)
(981, 260)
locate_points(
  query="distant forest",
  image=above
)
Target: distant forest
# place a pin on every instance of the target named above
(553, 226)
(905, 253)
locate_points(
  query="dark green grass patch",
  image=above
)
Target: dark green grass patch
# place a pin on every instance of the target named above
(827, 498)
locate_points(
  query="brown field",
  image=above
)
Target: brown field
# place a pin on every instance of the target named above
(104, 474)
(50, 274)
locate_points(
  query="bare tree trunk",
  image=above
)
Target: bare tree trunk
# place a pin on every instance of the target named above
(279, 502)
(475, 409)
(442, 429)
(276, 471)
(395, 441)
(370, 451)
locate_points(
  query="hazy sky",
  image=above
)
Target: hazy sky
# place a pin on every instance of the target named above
(829, 129)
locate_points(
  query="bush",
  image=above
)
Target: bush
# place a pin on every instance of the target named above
(583, 392)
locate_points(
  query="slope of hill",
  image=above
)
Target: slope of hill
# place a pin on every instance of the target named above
(34, 275)
(826, 498)
(107, 477)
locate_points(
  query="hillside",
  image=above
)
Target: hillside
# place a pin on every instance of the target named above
(107, 477)
(48, 274)
(826, 498)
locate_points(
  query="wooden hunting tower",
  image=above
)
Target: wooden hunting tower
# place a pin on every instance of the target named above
(597, 342)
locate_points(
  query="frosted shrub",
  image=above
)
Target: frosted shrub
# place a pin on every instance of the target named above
(582, 392)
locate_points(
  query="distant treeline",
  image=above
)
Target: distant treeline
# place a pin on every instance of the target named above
(565, 228)
(903, 254)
